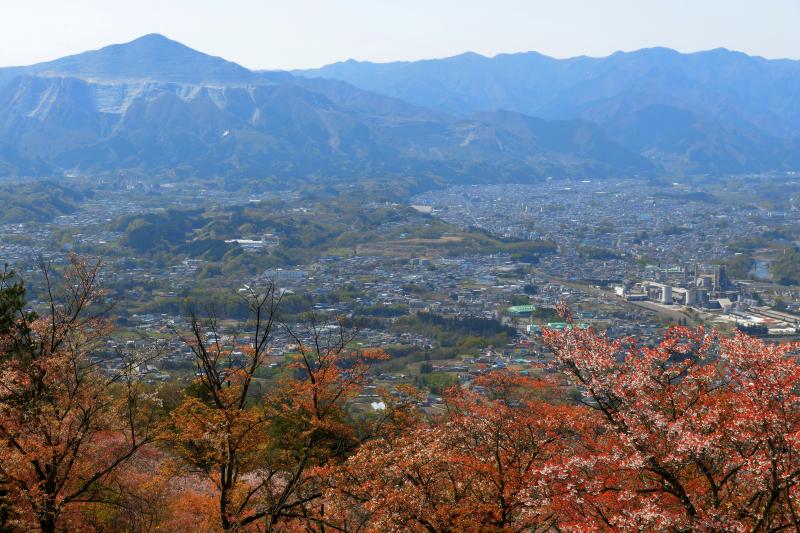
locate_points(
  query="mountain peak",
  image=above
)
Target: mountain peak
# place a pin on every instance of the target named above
(151, 57)
(153, 37)
(151, 41)
(469, 54)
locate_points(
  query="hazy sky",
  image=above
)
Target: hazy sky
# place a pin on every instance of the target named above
(307, 33)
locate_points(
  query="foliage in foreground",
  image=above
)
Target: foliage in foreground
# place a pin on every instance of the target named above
(698, 433)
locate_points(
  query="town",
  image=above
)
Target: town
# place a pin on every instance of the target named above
(629, 260)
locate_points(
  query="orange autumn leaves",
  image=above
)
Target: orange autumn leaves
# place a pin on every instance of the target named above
(259, 453)
(65, 428)
(476, 468)
(696, 433)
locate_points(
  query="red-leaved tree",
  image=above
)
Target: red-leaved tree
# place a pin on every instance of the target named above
(484, 465)
(696, 433)
(66, 426)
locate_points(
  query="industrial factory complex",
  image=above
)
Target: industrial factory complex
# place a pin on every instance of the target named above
(712, 293)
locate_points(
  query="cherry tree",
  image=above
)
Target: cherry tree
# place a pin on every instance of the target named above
(697, 432)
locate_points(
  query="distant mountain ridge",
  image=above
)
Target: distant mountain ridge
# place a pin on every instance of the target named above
(707, 111)
(151, 57)
(154, 106)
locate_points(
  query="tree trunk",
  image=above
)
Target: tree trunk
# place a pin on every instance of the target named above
(47, 518)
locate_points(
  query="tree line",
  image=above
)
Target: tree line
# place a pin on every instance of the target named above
(697, 433)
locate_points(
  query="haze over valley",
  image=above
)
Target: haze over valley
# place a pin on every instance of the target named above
(505, 292)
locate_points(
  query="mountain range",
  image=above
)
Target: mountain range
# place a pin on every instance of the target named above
(713, 111)
(156, 107)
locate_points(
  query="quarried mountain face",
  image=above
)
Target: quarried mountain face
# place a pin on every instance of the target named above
(156, 106)
(151, 57)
